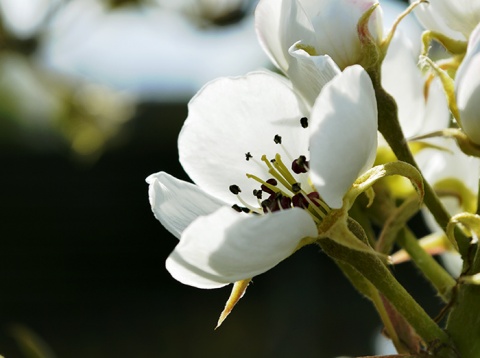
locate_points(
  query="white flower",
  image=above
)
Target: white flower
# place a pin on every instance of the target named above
(467, 88)
(455, 19)
(235, 127)
(454, 174)
(310, 40)
(421, 109)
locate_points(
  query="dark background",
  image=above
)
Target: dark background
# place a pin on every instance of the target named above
(82, 266)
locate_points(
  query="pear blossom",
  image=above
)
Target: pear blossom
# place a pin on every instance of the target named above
(467, 88)
(454, 19)
(311, 41)
(421, 109)
(460, 172)
(250, 208)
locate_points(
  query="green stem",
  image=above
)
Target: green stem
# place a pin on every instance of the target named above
(464, 320)
(433, 271)
(391, 130)
(372, 268)
(478, 199)
(463, 323)
(389, 126)
(382, 312)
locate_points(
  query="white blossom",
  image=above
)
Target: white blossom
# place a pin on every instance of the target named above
(311, 41)
(467, 88)
(235, 127)
(455, 19)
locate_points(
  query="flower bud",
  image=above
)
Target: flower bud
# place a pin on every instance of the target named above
(467, 88)
(326, 27)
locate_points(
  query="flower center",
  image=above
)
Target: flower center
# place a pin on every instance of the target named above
(285, 189)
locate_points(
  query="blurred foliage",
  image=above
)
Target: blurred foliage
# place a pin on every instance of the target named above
(45, 110)
(30, 343)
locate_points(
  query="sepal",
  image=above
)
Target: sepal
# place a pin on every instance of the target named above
(470, 221)
(447, 83)
(238, 290)
(455, 47)
(378, 172)
(463, 142)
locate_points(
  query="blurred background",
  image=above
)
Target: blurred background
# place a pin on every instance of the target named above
(92, 97)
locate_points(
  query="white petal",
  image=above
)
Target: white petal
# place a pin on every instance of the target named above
(452, 163)
(176, 203)
(459, 15)
(310, 73)
(430, 17)
(403, 80)
(227, 246)
(467, 88)
(335, 23)
(437, 113)
(449, 164)
(280, 24)
(344, 142)
(233, 116)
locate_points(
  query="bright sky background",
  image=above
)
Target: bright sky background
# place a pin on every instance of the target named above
(155, 53)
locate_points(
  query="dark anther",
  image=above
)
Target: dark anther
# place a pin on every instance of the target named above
(272, 160)
(299, 201)
(304, 122)
(266, 188)
(314, 197)
(285, 202)
(237, 208)
(296, 187)
(272, 181)
(257, 193)
(277, 139)
(248, 156)
(235, 189)
(266, 205)
(246, 210)
(300, 165)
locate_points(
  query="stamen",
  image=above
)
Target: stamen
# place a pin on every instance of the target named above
(285, 202)
(248, 156)
(257, 193)
(283, 170)
(300, 165)
(247, 206)
(277, 139)
(234, 189)
(270, 181)
(314, 200)
(273, 188)
(237, 208)
(296, 187)
(274, 173)
(266, 206)
(304, 122)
